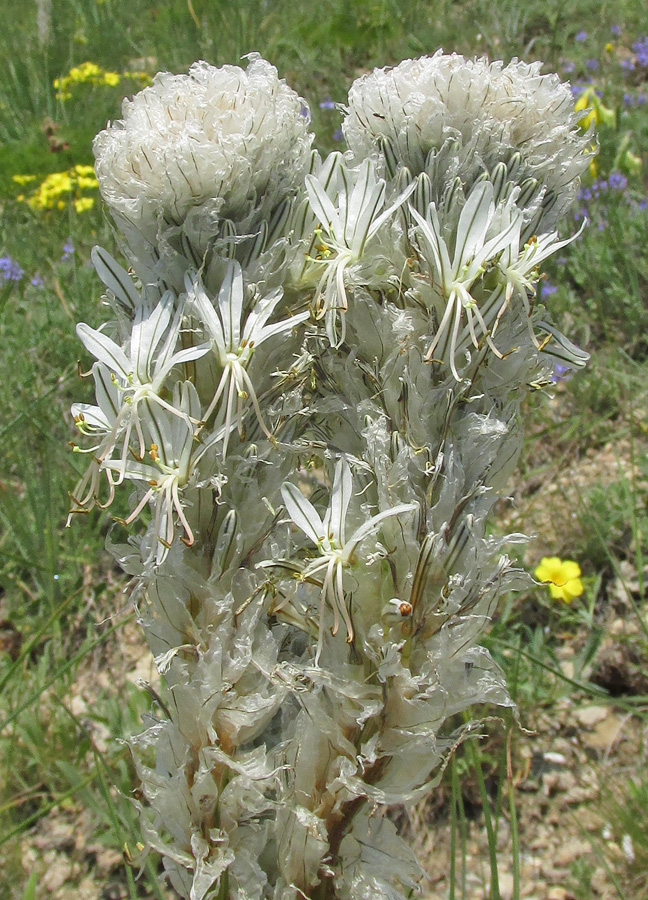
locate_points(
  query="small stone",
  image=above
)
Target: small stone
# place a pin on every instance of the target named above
(606, 733)
(109, 859)
(590, 820)
(571, 851)
(558, 893)
(506, 885)
(567, 668)
(591, 715)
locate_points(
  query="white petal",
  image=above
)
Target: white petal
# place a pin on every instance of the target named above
(115, 278)
(105, 350)
(92, 416)
(473, 224)
(303, 513)
(386, 214)
(431, 231)
(341, 494)
(374, 522)
(148, 330)
(230, 303)
(322, 206)
(198, 298)
(280, 327)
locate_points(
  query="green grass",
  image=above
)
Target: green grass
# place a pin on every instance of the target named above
(56, 584)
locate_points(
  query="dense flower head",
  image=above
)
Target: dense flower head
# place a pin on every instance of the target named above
(497, 110)
(219, 138)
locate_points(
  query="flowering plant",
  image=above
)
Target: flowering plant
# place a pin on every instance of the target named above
(312, 386)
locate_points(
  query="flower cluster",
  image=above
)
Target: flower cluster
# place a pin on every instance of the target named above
(446, 106)
(311, 392)
(10, 269)
(91, 73)
(60, 189)
(209, 153)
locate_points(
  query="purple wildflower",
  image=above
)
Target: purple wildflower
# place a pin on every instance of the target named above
(36, 280)
(592, 64)
(337, 135)
(627, 64)
(628, 100)
(615, 30)
(568, 67)
(10, 270)
(617, 181)
(581, 36)
(68, 250)
(547, 289)
(560, 373)
(327, 103)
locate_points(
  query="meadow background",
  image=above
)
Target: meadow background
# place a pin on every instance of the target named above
(550, 806)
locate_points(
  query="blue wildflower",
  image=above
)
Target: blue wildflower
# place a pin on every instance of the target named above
(615, 30)
(68, 250)
(337, 135)
(560, 373)
(581, 36)
(10, 270)
(592, 64)
(327, 103)
(617, 181)
(568, 67)
(36, 280)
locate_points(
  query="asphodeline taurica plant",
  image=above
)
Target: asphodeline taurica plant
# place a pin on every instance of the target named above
(310, 387)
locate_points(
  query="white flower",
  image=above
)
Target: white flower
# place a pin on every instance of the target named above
(138, 373)
(102, 421)
(347, 225)
(234, 346)
(175, 453)
(455, 277)
(221, 137)
(498, 110)
(335, 549)
(520, 270)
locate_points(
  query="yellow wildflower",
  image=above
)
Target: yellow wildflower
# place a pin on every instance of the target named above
(111, 78)
(83, 203)
(562, 576)
(598, 113)
(60, 188)
(23, 179)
